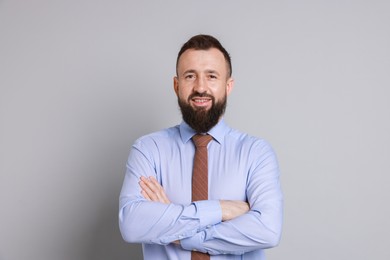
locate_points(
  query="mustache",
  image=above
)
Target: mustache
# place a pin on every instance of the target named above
(200, 95)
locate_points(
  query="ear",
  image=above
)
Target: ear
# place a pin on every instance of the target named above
(229, 85)
(176, 85)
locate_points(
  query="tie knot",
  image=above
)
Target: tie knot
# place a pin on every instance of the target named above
(201, 140)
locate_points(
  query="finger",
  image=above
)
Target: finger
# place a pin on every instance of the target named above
(146, 196)
(153, 179)
(154, 190)
(165, 199)
(151, 195)
(147, 183)
(144, 179)
(159, 190)
(154, 185)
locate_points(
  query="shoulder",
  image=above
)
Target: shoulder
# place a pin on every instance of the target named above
(249, 142)
(255, 151)
(235, 135)
(158, 138)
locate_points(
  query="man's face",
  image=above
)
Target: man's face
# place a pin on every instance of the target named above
(202, 85)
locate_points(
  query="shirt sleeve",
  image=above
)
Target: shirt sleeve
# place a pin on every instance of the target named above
(261, 227)
(143, 221)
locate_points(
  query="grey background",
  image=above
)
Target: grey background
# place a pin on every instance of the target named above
(81, 80)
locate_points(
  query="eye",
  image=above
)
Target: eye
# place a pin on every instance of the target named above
(212, 76)
(189, 76)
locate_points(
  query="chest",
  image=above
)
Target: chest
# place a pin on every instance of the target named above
(228, 171)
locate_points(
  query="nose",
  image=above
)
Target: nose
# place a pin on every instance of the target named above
(200, 85)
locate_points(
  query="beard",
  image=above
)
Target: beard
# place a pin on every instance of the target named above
(201, 119)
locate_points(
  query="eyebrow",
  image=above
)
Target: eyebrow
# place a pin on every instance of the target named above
(189, 71)
(207, 71)
(212, 72)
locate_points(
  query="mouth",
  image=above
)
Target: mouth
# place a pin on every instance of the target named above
(201, 101)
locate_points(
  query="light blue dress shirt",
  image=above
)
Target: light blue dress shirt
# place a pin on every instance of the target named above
(241, 167)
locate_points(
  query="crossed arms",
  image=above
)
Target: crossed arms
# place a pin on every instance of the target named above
(153, 191)
(147, 214)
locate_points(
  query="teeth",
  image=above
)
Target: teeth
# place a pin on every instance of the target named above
(201, 100)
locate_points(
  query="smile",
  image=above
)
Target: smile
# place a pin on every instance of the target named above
(200, 100)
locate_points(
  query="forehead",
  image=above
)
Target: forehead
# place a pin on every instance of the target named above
(200, 60)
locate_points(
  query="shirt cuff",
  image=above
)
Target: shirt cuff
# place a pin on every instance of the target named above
(209, 213)
(194, 243)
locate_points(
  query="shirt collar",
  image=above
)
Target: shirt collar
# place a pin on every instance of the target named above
(217, 132)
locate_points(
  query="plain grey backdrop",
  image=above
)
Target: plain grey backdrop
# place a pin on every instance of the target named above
(81, 80)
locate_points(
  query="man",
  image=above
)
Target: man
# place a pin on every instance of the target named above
(241, 214)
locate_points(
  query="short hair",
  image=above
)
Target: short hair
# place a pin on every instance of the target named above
(205, 42)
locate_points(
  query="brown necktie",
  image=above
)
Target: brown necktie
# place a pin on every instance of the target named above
(200, 179)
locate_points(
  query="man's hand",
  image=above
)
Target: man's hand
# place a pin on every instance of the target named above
(233, 208)
(152, 190)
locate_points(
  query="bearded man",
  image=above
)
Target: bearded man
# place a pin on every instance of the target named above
(202, 190)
